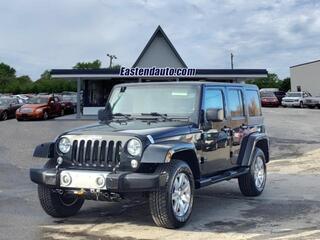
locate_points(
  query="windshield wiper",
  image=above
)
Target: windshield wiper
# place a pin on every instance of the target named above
(127, 116)
(156, 114)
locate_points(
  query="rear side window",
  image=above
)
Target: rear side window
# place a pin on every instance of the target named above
(253, 103)
(235, 102)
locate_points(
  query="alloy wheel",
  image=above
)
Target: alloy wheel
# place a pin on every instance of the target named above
(181, 195)
(259, 173)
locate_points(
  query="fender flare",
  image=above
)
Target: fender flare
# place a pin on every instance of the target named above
(248, 145)
(44, 150)
(162, 152)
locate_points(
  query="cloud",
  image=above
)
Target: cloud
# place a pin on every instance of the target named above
(42, 34)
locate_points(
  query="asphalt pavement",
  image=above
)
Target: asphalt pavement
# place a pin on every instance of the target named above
(288, 209)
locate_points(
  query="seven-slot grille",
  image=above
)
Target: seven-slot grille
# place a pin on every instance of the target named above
(96, 153)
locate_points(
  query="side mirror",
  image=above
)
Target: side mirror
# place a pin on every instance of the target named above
(105, 114)
(215, 114)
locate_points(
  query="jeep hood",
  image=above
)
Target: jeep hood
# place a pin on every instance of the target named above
(157, 130)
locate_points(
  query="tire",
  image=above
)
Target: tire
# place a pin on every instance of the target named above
(301, 105)
(253, 183)
(4, 115)
(58, 205)
(163, 201)
(45, 115)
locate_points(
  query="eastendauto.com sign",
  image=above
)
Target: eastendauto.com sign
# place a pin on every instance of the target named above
(155, 72)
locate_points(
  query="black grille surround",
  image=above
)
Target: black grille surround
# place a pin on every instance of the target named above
(92, 152)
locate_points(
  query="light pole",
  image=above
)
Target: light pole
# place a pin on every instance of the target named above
(111, 58)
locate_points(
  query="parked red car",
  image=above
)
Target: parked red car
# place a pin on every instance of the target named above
(40, 107)
(269, 99)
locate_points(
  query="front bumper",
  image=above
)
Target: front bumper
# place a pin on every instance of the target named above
(291, 104)
(29, 116)
(270, 104)
(115, 182)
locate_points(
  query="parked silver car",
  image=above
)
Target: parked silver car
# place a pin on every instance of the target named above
(295, 99)
(312, 102)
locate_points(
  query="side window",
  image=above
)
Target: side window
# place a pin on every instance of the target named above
(213, 99)
(235, 102)
(56, 99)
(253, 103)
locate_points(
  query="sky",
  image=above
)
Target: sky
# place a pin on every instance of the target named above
(36, 35)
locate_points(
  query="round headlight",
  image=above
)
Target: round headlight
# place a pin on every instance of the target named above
(64, 145)
(134, 147)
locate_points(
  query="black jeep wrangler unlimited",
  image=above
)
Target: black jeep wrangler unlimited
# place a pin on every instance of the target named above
(163, 140)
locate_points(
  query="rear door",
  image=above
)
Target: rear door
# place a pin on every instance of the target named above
(238, 120)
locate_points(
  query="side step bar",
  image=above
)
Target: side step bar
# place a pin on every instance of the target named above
(221, 177)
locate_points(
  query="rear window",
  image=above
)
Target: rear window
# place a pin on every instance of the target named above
(267, 94)
(235, 102)
(253, 102)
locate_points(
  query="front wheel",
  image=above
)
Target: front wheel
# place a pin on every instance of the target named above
(58, 204)
(171, 206)
(253, 183)
(45, 115)
(4, 116)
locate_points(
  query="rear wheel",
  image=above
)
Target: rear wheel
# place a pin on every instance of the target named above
(253, 183)
(171, 206)
(301, 105)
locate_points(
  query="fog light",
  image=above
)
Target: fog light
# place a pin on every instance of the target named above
(100, 181)
(134, 163)
(59, 160)
(65, 179)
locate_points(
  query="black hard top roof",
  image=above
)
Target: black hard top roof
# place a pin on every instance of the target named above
(192, 83)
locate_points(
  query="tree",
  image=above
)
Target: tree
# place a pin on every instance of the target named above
(285, 85)
(88, 65)
(271, 81)
(7, 71)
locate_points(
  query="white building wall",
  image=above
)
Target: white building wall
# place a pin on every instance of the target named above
(307, 76)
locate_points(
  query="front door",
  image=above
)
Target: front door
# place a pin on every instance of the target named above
(215, 140)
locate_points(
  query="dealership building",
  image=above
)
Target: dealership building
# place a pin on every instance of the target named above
(158, 61)
(306, 77)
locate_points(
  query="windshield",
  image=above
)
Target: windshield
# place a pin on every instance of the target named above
(38, 100)
(294, 94)
(69, 98)
(267, 94)
(173, 100)
(4, 101)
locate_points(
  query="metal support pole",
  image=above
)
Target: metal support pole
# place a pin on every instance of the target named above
(78, 97)
(231, 56)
